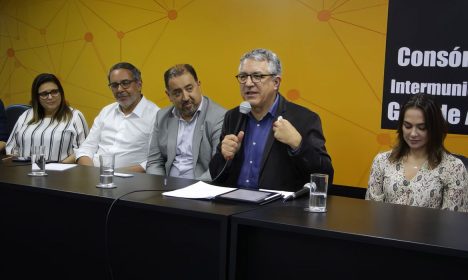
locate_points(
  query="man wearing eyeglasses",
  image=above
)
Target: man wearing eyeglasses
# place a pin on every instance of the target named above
(186, 134)
(122, 128)
(279, 145)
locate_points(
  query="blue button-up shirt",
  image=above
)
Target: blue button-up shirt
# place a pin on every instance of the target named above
(255, 138)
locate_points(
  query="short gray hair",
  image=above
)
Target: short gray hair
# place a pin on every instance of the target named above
(125, 65)
(274, 64)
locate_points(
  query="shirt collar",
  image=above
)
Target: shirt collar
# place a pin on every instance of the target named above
(138, 110)
(273, 109)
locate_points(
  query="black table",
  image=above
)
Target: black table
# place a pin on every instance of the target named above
(354, 239)
(54, 227)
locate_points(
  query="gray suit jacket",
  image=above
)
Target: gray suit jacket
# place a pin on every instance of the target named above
(162, 150)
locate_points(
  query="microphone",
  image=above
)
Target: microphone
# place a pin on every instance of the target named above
(305, 189)
(244, 109)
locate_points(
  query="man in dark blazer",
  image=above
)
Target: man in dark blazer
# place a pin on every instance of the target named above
(280, 143)
(185, 134)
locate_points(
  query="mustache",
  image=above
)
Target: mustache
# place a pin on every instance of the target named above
(188, 102)
(122, 94)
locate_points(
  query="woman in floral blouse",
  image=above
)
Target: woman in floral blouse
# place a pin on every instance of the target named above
(419, 171)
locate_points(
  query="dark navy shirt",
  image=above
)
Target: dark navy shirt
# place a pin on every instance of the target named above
(255, 138)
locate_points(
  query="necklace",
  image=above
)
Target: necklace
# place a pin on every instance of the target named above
(415, 165)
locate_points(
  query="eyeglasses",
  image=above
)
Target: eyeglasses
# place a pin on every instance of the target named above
(256, 78)
(52, 92)
(124, 83)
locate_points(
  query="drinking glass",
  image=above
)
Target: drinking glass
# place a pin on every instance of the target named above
(38, 161)
(318, 193)
(106, 171)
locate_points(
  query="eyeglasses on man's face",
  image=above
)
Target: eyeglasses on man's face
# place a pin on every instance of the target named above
(124, 83)
(52, 92)
(256, 77)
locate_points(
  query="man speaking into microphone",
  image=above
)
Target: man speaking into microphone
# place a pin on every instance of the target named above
(278, 144)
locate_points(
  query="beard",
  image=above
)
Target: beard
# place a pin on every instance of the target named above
(128, 101)
(188, 111)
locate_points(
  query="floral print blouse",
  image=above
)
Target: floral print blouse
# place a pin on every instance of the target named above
(444, 187)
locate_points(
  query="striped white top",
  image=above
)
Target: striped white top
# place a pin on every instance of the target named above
(60, 138)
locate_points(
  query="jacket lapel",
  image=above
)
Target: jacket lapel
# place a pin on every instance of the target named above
(271, 139)
(172, 130)
(199, 130)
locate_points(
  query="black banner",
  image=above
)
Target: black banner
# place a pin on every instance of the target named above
(427, 51)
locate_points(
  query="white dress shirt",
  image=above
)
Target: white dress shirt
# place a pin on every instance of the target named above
(126, 136)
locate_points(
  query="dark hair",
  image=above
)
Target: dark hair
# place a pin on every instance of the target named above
(178, 70)
(436, 128)
(63, 113)
(125, 65)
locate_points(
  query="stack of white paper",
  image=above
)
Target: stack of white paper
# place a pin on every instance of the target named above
(199, 190)
(59, 166)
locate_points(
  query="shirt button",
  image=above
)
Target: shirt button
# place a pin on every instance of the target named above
(246, 181)
(258, 124)
(254, 143)
(250, 162)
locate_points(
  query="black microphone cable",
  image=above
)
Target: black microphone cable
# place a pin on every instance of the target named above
(106, 229)
(221, 172)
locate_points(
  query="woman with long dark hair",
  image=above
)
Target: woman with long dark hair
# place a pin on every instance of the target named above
(51, 122)
(419, 171)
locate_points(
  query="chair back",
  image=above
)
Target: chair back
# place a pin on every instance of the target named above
(462, 158)
(12, 113)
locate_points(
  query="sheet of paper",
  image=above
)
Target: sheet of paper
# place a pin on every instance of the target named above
(123, 175)
(283, 193)
(199, 190)
(59, 166)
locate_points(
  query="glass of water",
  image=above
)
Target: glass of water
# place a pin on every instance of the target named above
(38, 161)
(318, 193)
(106, 171)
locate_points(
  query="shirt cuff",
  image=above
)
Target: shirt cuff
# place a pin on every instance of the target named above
(296, 151)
